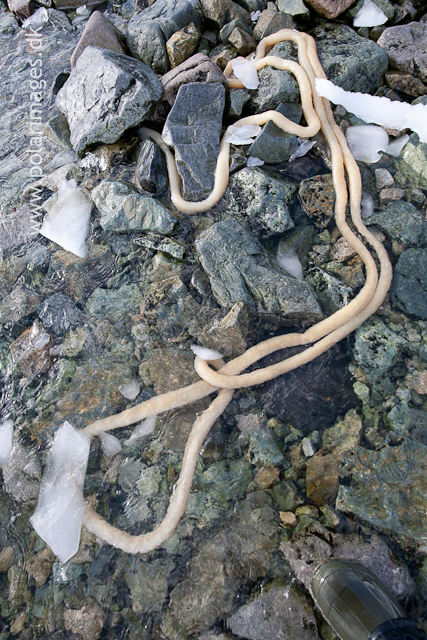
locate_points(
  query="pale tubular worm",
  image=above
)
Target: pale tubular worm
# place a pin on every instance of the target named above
(321, 336)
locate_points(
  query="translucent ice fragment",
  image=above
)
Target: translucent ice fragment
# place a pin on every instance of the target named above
(59, 514)
(63, 158)
(244, 134)
(37, 20)
(367, 205)
(204, 353)
(67, 221)
(110, 445)
(366, 142)
(6, 437)
(303, 148)
(146, 428)
(370, 15)
(254, 162)
(246, 71)
(376, 109)
(255, 15)
(396, 145)
(130, 390)
(288, 259)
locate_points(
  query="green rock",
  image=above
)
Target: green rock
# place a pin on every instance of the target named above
(123, 209)
(387, 488)
(294, 8)
(376, 348)
(148, 583)
(286, 495)
(264, 449)
(225, 480)
(402, 222)
(261, 198)
(240, 270)
(149, 481)
(115, 305)
(399, 418)
(331, 292)
(412, 162)
(350, 61)
(409, 286)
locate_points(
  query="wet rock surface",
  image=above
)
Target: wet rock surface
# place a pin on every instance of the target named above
(100, 106)
(325, 461)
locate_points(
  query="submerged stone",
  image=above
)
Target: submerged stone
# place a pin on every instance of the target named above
(240, 270)
(387, 488)
(106, 94)
(193, 129)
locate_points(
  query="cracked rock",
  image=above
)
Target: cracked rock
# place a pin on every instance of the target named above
(106, 94)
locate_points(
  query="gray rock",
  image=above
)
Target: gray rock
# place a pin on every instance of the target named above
(409, 286)
(193, 129)
(240, 270)
(148, 583)
(99, 32)
(228, 28)
(331, 292)
(402, 222)
(253, 5)
(264, 449)
(238, 99)
(59, 313)
(150, 29)
(406, 48)
(123, 209)
(270, 22)
(106, 94)
(150, 170)
(226, 480)
(22, 475)
(198, 68)
(294, 8)
(412, 163)
(259, 198)
(350, 61)
(279, 608)
(273, 145)
(377, 349)
(16, 171)
(387, 488)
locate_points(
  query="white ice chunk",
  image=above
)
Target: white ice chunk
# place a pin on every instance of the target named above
(204, 353)
(68, 219)
(83, 10)
(254, 162)
(244, 134)
(396, 145)
(146, 428)
(6, 437)
(63, 158)
(302, 149)
(130, 390)
(37, 20)
(366, 142)
(288, 259)
(110, 445)
(367, 205)
(246, 71)
(59, 514)
(379, 110)
(370, 15)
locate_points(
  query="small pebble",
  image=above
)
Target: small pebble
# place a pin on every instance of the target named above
(288, 518)
(383, 178)
(391, 195)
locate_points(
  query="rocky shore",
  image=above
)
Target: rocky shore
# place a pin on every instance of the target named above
(327, 460)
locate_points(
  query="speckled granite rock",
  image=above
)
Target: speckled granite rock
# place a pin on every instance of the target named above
(412, 163)
(106, 94)
(409, 286)
(240, 270)
(406, 48)
(377, 348)
(387, 488)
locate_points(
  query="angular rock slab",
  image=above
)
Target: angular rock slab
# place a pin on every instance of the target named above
(330, 8)
(149, 30)
(193, 129)
(240, 270)
(406, 47)
(99, 32)
(409, 286)
(123, 209)
(106, 94)
(387, 488)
